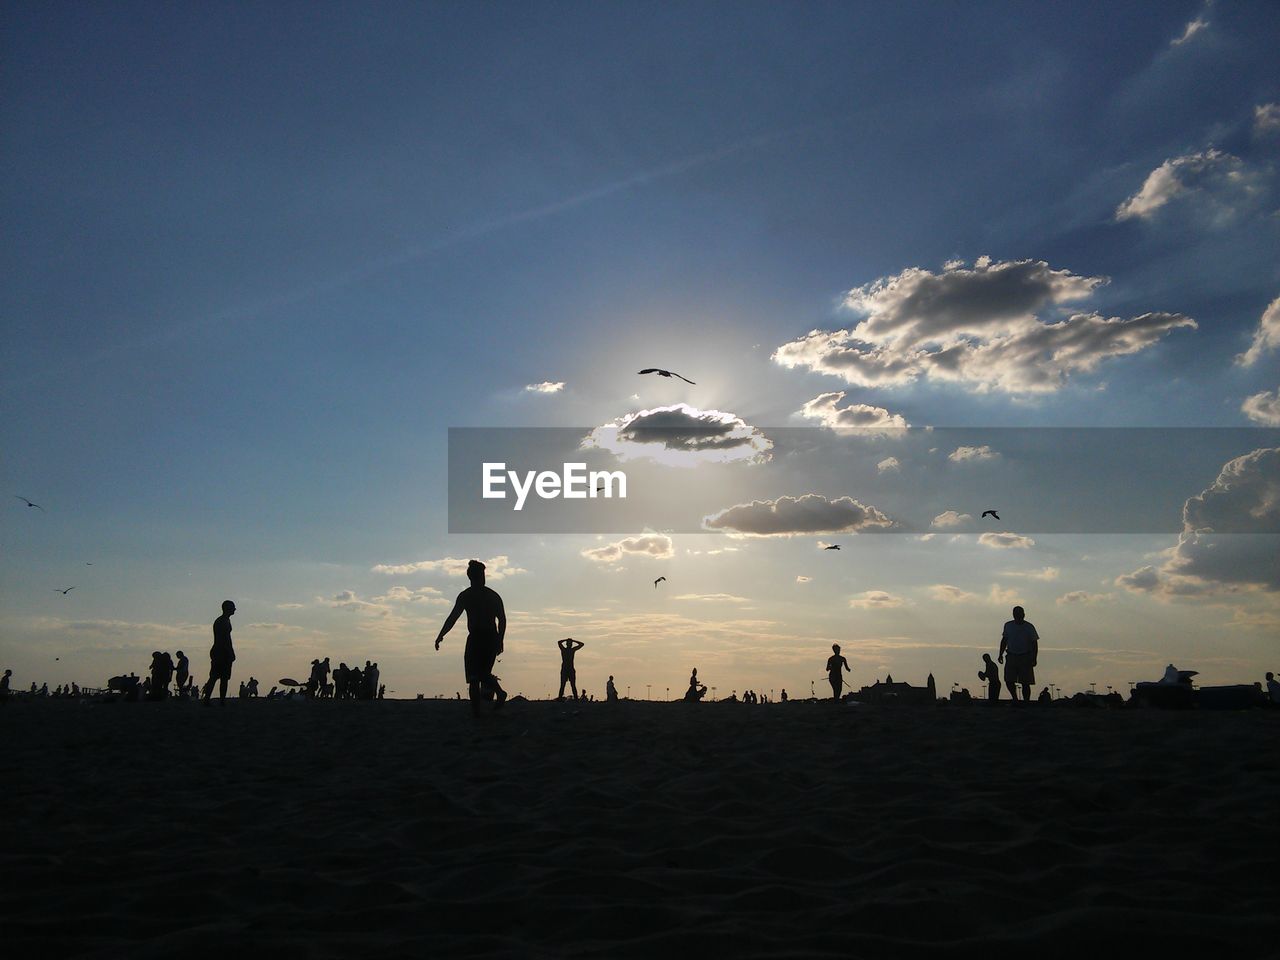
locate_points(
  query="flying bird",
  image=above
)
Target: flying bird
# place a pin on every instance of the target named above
(832, 546)
(658, 581)
(990, 513)
(665, 373)
(29, 503)
(63, 592)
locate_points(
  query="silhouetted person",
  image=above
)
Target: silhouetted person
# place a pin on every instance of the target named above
(4, 685)
(1020, 644)
(221, 655)
(486, 631)
(183, 670)
(1045, 696)
(696, 690)
(610, 691)
(382, 691)
(1273, 687)
(355, 684)
(313, 679)
(991, 674)
(161, 674)
(568, 673)
(783, 698)
(836, 666)
(340, 676)
(326, 688)
(374, 676)
(252, 688)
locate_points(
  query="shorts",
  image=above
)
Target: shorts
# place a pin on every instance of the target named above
(478, 658)
(1019, 668)
(220, 669)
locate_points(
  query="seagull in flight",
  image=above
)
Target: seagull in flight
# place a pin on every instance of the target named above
(63, 592)
(832, 546)
(658, 581)
(989, 513)
(29, 503)
(666, 373)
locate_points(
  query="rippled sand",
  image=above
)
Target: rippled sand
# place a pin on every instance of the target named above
(642, 830)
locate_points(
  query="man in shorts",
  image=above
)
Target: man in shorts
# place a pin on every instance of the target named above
(221, 654)
(1020, 644)
(568, 673)
(486, 628)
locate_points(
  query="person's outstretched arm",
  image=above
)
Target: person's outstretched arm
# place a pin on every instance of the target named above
(502, 624)
(448, 624)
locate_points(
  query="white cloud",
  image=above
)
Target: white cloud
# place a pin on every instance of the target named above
(495, 567)
(1266, 338)
(801, 578)
(876, 600)
(980, 327)
(965, 454)
(1084, 598)
(655, 546)
(792, 516)
(1219, 179)
(349, 600)
(947, 593)
(1263, 408)
(546, 386)
(1190, 30)
(1266, 119)
(949, 518)
(887, 464)
(1006, 540)
(1046, 574)
(1228, 542)
(711, 597)
(402, 594)
(853, 419)
(681, 435)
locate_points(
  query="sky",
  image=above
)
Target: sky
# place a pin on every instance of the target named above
(261, 259)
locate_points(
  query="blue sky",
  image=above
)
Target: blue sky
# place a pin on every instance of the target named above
(259, 259)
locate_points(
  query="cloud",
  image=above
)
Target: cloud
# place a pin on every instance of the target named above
(1266, 120)
(1220, 179)
(949, 518)
(711, 597)
(349, 600)
(1046, 573)
(495, 567)
(876, 600)
(681, 435)
(965, 454)
(1083, 598)
(1266, 338)
(546, 386)
(801, 578)
(1006, 541)
(1228, 542)
(401, 594)
(854, 419)
(887, 464)
(946, 593)
(289, 606)
(979, 327)
(794, 516)
(655, 546)
(1263, 408)
(1192, 29)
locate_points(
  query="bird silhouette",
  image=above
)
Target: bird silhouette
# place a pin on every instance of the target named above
(658, 581)
(63, 592)
(666, 373)
(29, 503)
(990, 513)
(832, 546)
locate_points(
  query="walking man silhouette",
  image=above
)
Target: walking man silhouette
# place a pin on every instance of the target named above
(221, 654)
(1021, 643)
(486, 629)
(836, 665)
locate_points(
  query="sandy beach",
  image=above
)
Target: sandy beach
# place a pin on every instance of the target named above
(407, 828)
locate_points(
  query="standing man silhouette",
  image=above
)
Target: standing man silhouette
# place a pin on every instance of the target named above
(486, 630)
(1022, 645)
(836, 665)
(221, 654)
(568, 673)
